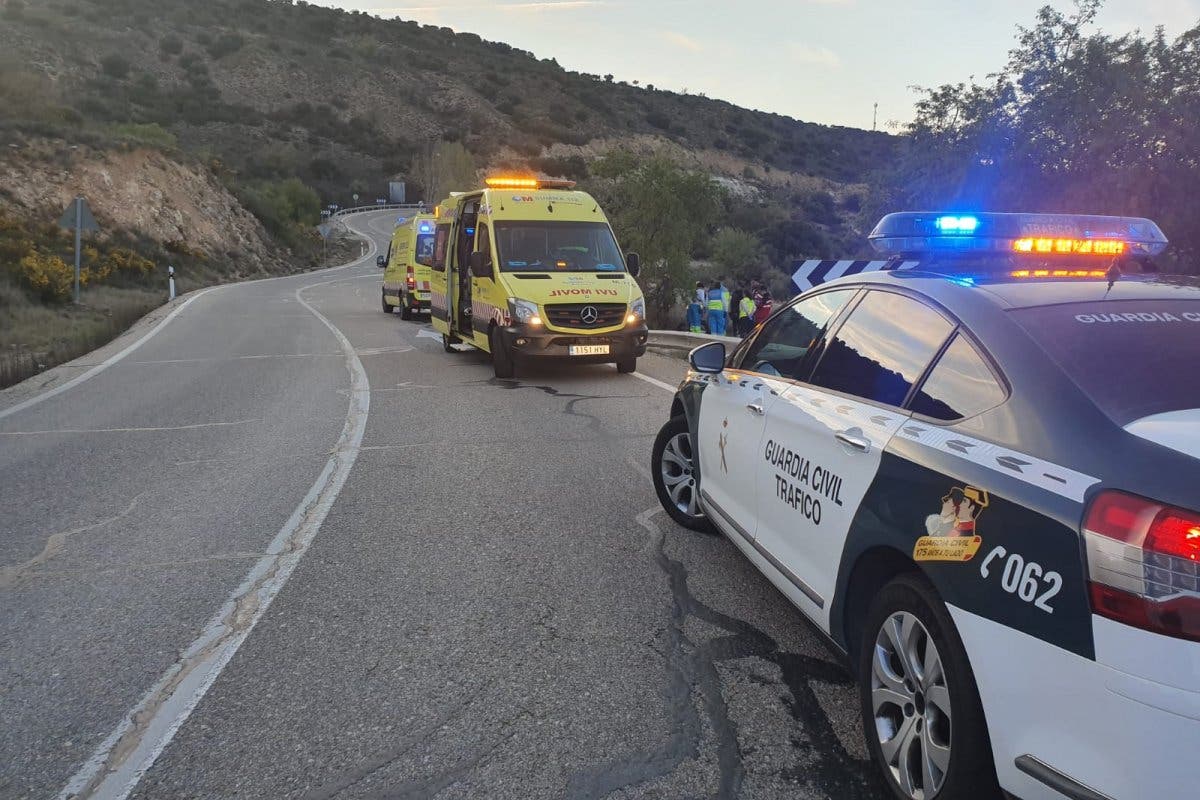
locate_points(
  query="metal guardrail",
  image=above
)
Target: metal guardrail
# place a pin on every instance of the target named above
(680, 343)
(418, 207)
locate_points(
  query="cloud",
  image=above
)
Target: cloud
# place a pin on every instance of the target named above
(679, 40)
(813, 55)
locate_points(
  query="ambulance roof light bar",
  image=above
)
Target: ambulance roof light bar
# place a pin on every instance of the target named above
(1083, 235)
(512, 182)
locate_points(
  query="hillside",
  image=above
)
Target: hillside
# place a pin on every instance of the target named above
(341, 100)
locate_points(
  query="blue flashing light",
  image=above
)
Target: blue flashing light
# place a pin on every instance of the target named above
(426, 228)
(957, 224)
(470, 231)
(1011, 234)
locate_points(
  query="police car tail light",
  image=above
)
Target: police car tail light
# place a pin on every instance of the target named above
(1144, 564)
(411, 280)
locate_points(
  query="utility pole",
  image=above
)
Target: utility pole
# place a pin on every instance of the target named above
(875, 118)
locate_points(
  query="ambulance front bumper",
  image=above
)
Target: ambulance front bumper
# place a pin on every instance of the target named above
(537, 342)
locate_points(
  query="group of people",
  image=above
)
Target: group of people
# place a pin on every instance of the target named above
(715, 309)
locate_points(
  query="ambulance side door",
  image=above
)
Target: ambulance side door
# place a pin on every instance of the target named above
(439, 279)
(488, 306)
(824, 440)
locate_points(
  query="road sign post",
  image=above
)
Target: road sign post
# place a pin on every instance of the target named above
(79, 217)
(170, 283)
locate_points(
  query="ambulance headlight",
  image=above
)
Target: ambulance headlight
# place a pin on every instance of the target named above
(523, 311)
(638, 308)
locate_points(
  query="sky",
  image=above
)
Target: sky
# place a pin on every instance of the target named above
(826, 61)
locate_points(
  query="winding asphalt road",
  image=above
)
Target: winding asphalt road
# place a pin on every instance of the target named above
(288, 547)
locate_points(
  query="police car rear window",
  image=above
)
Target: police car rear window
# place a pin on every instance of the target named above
(1134, 358)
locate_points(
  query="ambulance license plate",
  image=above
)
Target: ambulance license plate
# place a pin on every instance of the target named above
(588, 349)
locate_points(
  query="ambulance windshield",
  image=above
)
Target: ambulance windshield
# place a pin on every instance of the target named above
(557, 247)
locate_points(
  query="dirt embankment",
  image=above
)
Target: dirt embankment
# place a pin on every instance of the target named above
(141, 192)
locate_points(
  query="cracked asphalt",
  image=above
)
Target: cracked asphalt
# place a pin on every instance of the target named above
(493, 607)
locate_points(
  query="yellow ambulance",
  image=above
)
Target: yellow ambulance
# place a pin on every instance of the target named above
(406, 266)
(527, 269)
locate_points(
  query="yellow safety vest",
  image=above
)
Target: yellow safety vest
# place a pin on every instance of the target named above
(747, 306)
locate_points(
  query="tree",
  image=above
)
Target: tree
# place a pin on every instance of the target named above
(661, 211)
(444, 167)
(738, 253)
(1076, 121)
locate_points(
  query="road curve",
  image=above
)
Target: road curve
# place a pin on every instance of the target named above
(288, 547)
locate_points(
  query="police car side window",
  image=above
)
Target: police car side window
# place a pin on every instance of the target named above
(959, 385)
(882, 348)
(782, 347)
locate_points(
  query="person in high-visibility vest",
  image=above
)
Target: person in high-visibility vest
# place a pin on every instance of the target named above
(716, 310)
(746, 309)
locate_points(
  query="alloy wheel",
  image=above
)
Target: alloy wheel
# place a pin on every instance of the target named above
(911, 704)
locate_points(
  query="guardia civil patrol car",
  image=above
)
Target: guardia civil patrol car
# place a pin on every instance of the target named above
(979, 475)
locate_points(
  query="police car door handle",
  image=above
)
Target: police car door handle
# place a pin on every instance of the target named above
(850, 439)
(756, 407)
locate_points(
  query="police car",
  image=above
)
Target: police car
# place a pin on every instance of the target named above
(979, 475)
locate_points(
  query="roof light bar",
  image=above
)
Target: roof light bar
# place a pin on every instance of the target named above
(911, 233)
(512, 182)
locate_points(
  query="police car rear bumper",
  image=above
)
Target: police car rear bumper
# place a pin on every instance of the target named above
(1062, 725)
(530, 342)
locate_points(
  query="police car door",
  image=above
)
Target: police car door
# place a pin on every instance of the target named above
(824, 440)
(735, 407)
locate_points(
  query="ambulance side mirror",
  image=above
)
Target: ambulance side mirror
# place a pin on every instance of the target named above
(634, 263)
(381, 261)
(481, 264)
(708, 358)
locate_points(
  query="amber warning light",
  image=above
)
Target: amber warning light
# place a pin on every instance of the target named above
(508, 182)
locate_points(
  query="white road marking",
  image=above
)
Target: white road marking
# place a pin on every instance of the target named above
(113, 359)
(106, 363)
(132, 430)
(118, 764)
(429, 333)
(654, 382)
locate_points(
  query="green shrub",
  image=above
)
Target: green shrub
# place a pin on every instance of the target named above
(115, 65)
(171, 45)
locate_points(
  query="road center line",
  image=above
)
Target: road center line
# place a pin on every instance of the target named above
(118, 764)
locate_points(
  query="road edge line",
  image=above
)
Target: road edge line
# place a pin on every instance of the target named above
(655, 382)
(113, 359)
(138, 740)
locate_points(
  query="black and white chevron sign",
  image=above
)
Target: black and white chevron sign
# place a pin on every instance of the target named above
(815, 272)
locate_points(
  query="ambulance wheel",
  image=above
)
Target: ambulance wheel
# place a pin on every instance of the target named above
(920, 706)
(405, 308)
(447, 344)
(502, 357)
(627, 365)
(673, 469)
(387, 307)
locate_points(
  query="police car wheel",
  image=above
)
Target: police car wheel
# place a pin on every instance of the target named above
(673, 467)
(627, 365)
(502, 357)
(405, 308)
(920, 705)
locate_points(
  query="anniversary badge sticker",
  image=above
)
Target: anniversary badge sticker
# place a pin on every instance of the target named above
(950, 534)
